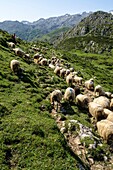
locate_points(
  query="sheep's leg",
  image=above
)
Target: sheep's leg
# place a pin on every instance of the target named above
(57, 107)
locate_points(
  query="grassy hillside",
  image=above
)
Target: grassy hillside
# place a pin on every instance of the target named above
(53, 35)
(29, 135)
(88, 44)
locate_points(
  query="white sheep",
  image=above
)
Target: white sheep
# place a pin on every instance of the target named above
(89, 84)
(43, 62)
(56, 96)
(57, 70)
(54, 58)
(69, 79)
(11, 44)
(105, 129)
(36, 57)
(19, 52)
(96, 110)
(82, 100)
(78, 80)
(27, 57)
(108, 94)
(71, 69)
(62, 72)
(39, 59)
(103, 101)
(107, 112)
(110, 116)
(69, 94)
(51, 66)
(67, 72)
(98, 91)
(15, 65)
(74, 73)
(36, 48)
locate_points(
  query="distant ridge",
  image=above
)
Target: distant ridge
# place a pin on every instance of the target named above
(32, 30)
(92, 34)
(98, 23)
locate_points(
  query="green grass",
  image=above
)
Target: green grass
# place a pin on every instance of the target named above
(29, 136)
(88, 43)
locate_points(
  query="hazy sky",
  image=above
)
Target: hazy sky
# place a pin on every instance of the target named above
(32, 10)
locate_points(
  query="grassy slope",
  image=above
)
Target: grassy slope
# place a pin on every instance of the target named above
(29, 136)
(92, 65)
(53, 35)
(102, 44)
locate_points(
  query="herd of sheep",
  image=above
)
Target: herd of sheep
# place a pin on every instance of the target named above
(93, 98)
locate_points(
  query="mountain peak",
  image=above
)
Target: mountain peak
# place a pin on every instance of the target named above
(25, 22)
(67, 15)
(111, 11)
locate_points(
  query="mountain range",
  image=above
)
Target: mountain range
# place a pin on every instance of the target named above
(42, 27)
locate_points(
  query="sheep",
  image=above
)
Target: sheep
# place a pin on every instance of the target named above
(82, 100)
(67, 72)
(54, 58)
(96, 110)
(55, 96)
(53, 62)
(43, 62)
(103, 101)
(57, 70)
(78, 80)
(69, 94)
(36, 48)
(11, 44)
(108, 94)
(15, 66)
(27, 57)
(105, 129)
(69, 79)
(57, 61)
(35, 61)
(98, 91)
(74, 73)
(19, 52)
(39, 59)
(51, 66)
(110, 116)
(71, 69)
(107, 112)
(36, 57)
(111, 104)
(77, 89)
(62, 72)
(89, 84)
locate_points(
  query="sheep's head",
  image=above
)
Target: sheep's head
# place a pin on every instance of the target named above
(97, 90)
